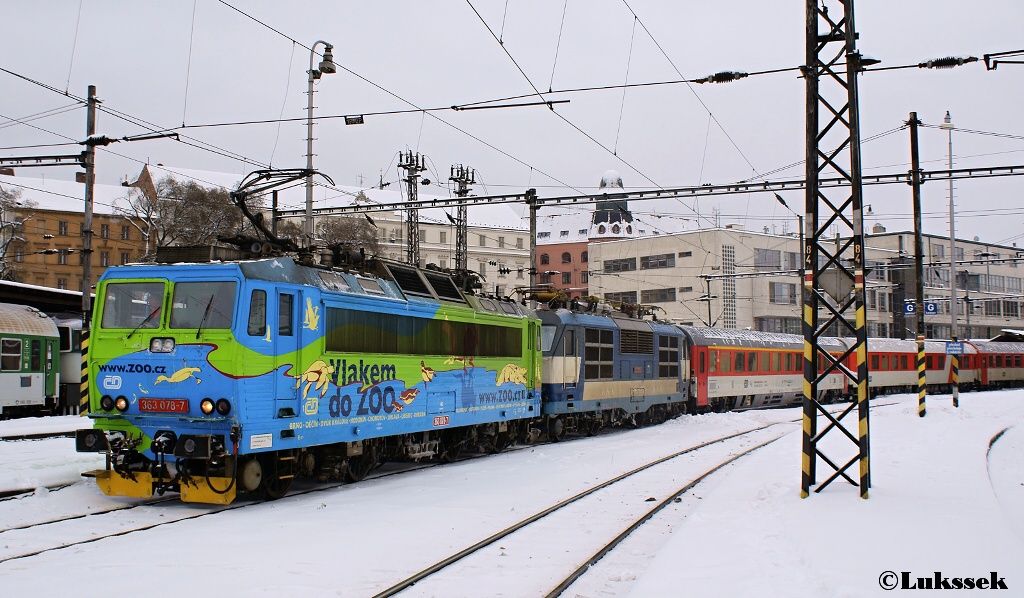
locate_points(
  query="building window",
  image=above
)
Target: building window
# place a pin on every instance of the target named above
(501, 242)
(19, 256)
(483, 268)
(62, 228)
(792, 260)
(685, 289)
(125, 257)
(616, 229)
(782, 293)
(62, 283)
(583, 231)
(104, 259)
(483, 240)
(584, 277)
(767, 259)
(423, 235)
(601, 229)
(126, 232)
(545, 278)
(685, 253)
(623, 265)
(519, 271)
(658, 295)
(563, 233)
(104, 231)
(665, 260)
(543, 235)
(585, 257)
(627, 297)
(566, 257)
(544, 259)
(62, 256)
(519, 242)
(566, 277)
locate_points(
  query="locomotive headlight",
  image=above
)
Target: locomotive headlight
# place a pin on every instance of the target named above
(107, 403)
(223, 406)
(190, 445)
(121, 403)
(206, 406)
(161, 345)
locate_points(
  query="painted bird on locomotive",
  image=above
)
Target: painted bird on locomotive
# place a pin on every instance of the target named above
(202, 375)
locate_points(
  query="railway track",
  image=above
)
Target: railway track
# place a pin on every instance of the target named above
(36, 436)
(86, 536)
(540, 516)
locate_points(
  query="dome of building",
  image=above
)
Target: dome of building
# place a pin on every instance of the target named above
(612, 179)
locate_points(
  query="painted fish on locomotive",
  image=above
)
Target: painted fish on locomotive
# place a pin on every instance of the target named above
(602, 369)
(258, 371)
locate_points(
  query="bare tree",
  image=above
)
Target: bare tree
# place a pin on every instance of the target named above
(354, 233)
(11, 226)
(185, 213)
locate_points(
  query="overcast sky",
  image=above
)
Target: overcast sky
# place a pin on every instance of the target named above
(436, 54)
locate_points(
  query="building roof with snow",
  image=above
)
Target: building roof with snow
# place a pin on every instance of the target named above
(61, 195)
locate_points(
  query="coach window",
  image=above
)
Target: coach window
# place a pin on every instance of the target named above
(740, 361)
(714, 361)
(36, 356)
(764, 361)
(257, 313)
(775, 362)
(701, 366)
(285, 302)
(10, 355)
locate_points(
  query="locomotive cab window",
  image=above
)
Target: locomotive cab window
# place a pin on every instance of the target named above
(132, 304)
(65, 338)
(257, 313)
(10, 355)
(285, 314)
(569, 342)
(547, 337)
(203, 305)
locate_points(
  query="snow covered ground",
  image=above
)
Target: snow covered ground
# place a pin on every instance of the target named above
(941, 501)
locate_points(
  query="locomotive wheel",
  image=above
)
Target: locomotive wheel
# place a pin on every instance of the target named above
(451, 443)
(556, 429)
(359, 467)
(277, 475)
(502, 440)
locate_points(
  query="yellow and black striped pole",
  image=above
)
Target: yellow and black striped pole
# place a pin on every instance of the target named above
(810, 418)
(922, 382)
(83, 400)
(863, 392)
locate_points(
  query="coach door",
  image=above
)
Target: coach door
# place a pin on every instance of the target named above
(286, 349)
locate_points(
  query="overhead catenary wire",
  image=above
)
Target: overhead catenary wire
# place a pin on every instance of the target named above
(540, 94)
(74, 47)
(408, 102)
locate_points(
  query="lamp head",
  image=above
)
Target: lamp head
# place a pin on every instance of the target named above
(327, 65)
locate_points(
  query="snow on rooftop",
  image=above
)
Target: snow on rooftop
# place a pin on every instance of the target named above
(65, 195)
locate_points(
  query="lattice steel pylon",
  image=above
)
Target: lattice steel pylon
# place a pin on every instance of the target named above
(834, 240)
(463, 177)
(413, 165)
